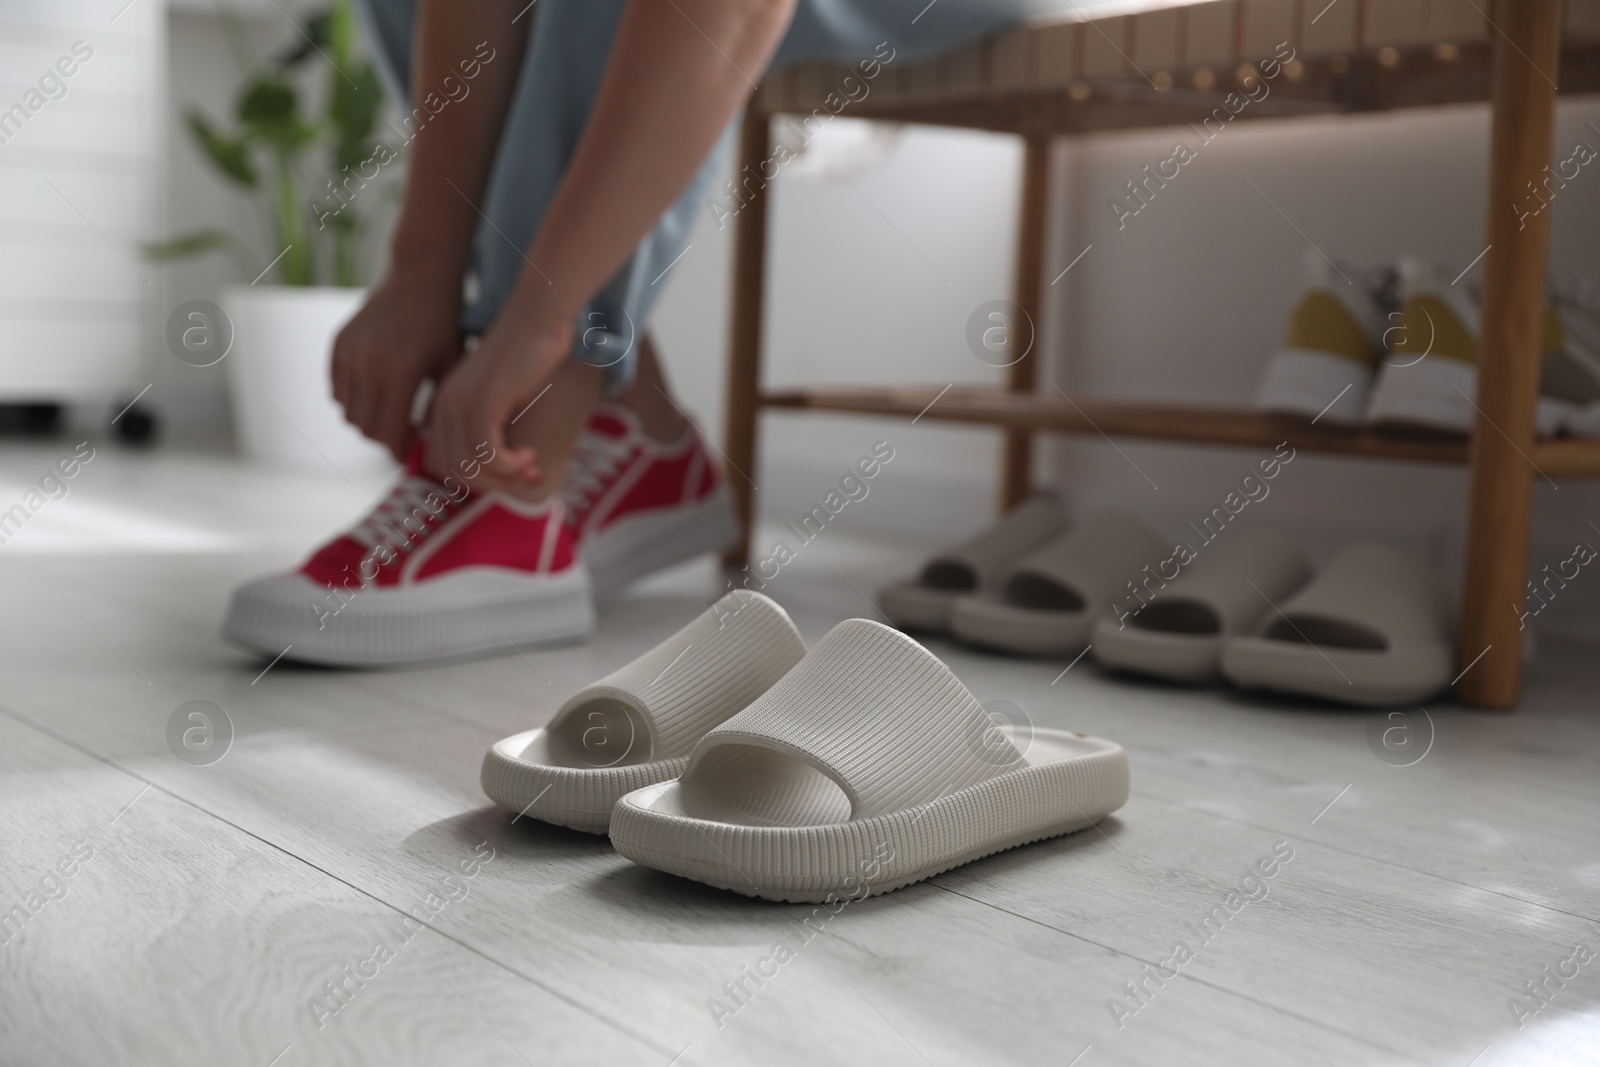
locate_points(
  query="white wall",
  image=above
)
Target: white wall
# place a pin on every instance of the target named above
(1187, 302)
(851, 299)
(1184, 304)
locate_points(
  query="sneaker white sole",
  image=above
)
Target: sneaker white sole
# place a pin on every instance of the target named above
(479, 610)
(1438, 394)
(1300, 381)
(1434, 394)
(639, 545)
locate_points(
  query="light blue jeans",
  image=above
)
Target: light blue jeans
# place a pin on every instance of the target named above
(568, 46)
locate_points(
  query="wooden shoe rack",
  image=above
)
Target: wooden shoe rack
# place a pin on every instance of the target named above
(1173, 66)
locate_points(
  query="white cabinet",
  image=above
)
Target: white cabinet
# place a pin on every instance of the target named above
(81, 99)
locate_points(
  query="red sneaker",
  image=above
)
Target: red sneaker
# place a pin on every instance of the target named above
(435, 571)
(639, 505)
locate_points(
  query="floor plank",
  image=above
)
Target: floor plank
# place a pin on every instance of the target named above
(1417, 902)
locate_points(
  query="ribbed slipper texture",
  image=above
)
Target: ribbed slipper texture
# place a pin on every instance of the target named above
(709, 670)
(716, 665)
(930, 784)
(872, 856)
(1097, 560)
(880, 714)
(1026, 527)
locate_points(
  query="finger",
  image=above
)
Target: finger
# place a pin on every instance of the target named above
(379, 415)
(391, 434)
(394, 421)
(339, 371)
(519, 466)
(347, 382)
(376, 407)
(362, 407)
(442, 435)
(414, 436)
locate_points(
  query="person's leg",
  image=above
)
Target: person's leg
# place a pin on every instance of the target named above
(552, 423)
(650, 399)
(556, 87)
(388, 27)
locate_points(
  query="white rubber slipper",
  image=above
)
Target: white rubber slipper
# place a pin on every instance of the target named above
(1374, 628)
(1046, 602)
(1582, 421)
(637, 725)
(866, 768)
(1177, 629)
(924, 603)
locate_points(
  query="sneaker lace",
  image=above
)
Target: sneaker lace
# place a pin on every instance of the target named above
(1383, 283)
(385, 525)
(596, 459)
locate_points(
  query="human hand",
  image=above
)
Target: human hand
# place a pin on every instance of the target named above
(409, 329)
(490, 386)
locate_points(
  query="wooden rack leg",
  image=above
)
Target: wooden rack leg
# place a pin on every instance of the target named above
(1525, 63)
(1016, 473)
(744, 335)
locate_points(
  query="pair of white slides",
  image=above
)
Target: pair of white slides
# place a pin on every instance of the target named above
(1372, 628)
(731, 755)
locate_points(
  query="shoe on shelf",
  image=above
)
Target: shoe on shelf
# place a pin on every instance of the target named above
(1374, 628)
(1180, 633)
(924, 603)
(1429, 379)
(1330, 352)
(1570, 373)
(435, 571)
(1045, 601)
(638, 505)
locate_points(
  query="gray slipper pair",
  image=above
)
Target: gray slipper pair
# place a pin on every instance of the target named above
(1372, 628)
(732, 755)
(1028, 584)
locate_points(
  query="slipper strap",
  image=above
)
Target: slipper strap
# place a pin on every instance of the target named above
(878, 714)
(722, 660)
(1028, 525)
(1097, 560)
(1239, 580)
(1382, 589)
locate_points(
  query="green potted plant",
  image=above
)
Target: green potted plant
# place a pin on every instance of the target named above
(308, 172)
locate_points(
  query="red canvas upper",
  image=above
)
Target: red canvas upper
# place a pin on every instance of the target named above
(419, 531)
(618, 472)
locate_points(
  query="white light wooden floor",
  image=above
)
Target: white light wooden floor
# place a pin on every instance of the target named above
(218, 900)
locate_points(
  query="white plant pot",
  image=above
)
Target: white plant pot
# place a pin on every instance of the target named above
(278, 381)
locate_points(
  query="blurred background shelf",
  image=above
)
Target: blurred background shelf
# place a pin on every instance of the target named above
(1195, 67)
(1556, 457)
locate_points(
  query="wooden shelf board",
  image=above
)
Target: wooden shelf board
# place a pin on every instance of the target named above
(1159, 422)
(1344, 84)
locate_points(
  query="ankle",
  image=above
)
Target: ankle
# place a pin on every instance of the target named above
(658, 417)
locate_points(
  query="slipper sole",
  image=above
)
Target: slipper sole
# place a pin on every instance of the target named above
(1191, 658)
(991, 624)
(916, 607)
(867, 857)
(580, 798)
(1369, 679)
